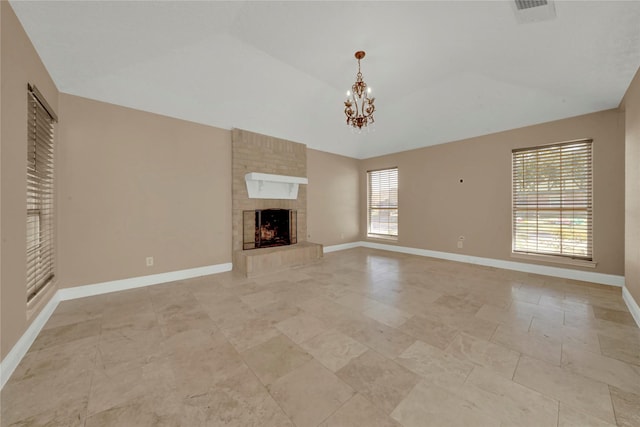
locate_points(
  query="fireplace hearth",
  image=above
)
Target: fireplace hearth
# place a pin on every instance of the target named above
(264, 228)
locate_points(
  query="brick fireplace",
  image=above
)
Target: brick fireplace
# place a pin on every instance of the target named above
(253, 152)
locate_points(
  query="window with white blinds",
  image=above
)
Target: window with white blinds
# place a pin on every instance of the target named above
(382, 203)
(552, 200)
(40, 220)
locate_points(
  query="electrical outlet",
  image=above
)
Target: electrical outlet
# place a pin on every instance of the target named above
(149, 261)
(460, 243)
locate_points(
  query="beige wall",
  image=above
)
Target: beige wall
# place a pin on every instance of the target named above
(1, 127)
(334, 198)
(134, 184)
(20, 65)
(631, 106)
(435, 208)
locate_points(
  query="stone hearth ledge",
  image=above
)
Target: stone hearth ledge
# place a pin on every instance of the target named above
(255, 262)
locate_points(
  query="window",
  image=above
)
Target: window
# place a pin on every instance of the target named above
(40, 222)
(552, 200)
(382, 203)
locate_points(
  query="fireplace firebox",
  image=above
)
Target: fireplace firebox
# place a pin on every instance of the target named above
(263, 228)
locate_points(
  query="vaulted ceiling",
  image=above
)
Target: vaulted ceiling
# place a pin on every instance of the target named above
(440, 71)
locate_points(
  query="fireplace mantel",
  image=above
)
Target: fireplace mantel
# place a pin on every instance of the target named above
(270, 186)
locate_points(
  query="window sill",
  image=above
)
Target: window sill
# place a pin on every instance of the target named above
(555, 260)
(382, 237)
(41, 299)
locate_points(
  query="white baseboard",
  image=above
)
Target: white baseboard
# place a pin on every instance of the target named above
(140, 281)
(565, 273)
(632, 305)
(341, 247)
(13, 358)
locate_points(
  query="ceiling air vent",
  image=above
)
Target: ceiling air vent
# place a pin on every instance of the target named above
(528, 4)
(534, 10)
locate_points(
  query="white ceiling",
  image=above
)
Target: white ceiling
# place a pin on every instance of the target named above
(440, 71)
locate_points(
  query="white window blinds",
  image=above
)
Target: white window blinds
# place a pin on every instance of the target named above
(40, 220)
(552, 200)
(382, 206)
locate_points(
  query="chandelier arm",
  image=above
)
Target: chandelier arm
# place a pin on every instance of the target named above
(371, 108)
(358, 107)
(348, 111)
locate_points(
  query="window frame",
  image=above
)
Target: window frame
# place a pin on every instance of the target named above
(389, 207)
(570, 205)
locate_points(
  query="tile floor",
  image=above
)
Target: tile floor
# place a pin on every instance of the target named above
(361, 338)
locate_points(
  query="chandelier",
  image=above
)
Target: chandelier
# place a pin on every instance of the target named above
(358, 107)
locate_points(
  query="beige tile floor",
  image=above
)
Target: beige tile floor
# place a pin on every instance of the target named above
(361, 338)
